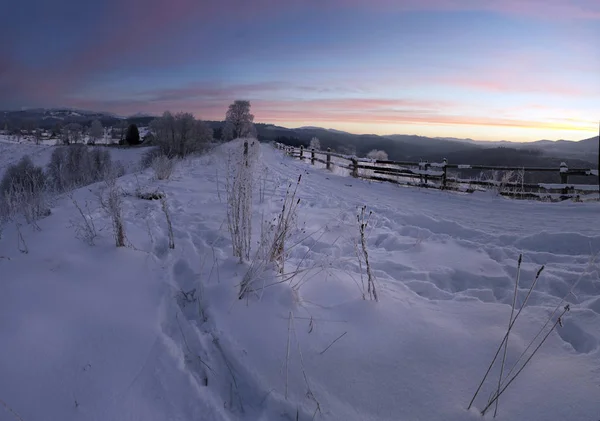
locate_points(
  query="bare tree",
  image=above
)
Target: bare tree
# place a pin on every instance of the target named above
(71, 133)
(96, 131)
(29, 126)
(76, 132)
(181, 134)
(38, 136)
(239, 123)
(122, 131)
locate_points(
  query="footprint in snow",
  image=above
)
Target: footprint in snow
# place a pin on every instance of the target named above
(580, 340)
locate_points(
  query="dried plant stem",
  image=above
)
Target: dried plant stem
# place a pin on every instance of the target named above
(363, 221)
(497, 395)
(335, 340)
(506, 336)
(9, 409)
(512, 312)
(287, 354)
(556, 309)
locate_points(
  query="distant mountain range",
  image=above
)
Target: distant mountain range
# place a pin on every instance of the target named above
(49, 118)
(583, 153)
(413, 147)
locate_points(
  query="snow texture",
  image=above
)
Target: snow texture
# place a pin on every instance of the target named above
(149, 333)
(11, 152)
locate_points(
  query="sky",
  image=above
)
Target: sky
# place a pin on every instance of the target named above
(517, 70)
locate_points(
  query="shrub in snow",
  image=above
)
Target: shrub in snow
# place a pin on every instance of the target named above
(378, 155)
(239, 182)
(149, 156)
(78, 165)
(315, 144)
(112, 203)
(23, 191)
(180, 135)
(163, 167)
(85, 229)
(505, 182)
(275, 234)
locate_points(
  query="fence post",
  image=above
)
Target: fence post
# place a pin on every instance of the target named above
(445, 174)
(246, 152)
(354, 168)
(426, 175)
(302, 152)
(328, 158)
(564, 173)
(312, 156)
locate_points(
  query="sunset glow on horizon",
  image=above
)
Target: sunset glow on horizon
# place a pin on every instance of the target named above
(517, 70)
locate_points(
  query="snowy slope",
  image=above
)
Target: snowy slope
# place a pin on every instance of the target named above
(149, 333)
(11, 152)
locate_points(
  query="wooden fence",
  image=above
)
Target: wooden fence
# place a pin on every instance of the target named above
(507, 181)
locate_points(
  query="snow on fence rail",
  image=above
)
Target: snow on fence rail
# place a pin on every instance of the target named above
(509, 181)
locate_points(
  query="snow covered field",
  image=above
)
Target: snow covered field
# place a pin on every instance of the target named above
(150, 333)
(11, 152)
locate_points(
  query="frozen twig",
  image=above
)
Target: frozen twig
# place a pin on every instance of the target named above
(335, 340)
(506, 335)
(512, 312)
(497, 395)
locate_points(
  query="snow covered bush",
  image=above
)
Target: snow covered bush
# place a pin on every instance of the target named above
(315, 144)
(78, 165)
(163, 167)
(23, 192)
(378, 155)
(148, 157)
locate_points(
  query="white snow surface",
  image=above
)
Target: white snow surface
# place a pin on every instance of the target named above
(11, 152)
(101, 333)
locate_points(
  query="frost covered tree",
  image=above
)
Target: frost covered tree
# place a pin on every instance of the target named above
(315, 144)
(378, 155)
(239, 122)
(96, 131)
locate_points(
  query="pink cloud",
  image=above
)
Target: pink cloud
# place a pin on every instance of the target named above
(555, 9)
(275, 113)
(368, 111)
(507, 84)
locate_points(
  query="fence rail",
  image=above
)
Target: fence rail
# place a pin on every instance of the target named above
(509, 180)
